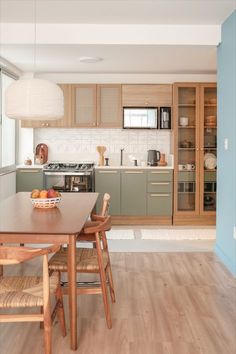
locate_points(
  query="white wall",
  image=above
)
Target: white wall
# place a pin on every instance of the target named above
(7, 185)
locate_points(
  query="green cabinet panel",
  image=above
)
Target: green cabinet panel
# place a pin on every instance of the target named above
(28, 179)
(159, 187)
(108, 181)
(186, 176)
(159, 204)
(209, 176)
(159, 175)
(133, 192)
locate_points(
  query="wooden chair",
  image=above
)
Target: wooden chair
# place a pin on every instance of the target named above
(94, 220)
(31, 291)
(91, 260)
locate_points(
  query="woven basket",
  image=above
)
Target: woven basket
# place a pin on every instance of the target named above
(46, 203)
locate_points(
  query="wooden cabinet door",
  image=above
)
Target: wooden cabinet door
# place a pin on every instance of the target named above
(28, 179)
(208, 147)
(58, 123)
(186, 125)
(133, 192)
(84, 105)
(109, 110)
(108, 181)
(147, 95)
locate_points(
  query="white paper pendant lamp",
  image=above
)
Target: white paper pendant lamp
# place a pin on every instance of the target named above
(34, 99)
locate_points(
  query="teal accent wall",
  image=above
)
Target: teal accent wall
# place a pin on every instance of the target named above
(226, 165)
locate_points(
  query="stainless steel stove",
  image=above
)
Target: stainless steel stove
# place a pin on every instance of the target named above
(69, 177)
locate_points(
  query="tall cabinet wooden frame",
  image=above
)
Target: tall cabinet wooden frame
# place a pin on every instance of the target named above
(194, 138)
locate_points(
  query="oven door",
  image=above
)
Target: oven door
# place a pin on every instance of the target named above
(69, 182)
(55, 180)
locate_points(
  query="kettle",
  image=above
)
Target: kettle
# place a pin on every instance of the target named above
(153, 157)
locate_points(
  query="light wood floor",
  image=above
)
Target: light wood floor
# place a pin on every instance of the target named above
(167, 303)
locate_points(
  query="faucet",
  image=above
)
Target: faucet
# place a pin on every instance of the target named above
(121, 156)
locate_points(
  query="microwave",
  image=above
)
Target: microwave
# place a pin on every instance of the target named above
(140, 117)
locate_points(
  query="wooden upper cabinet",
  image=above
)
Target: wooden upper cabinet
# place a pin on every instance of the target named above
(84, 97)
(109, 109)
(147, 95)
(64, 122)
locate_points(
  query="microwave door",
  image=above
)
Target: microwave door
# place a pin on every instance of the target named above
(140, 118)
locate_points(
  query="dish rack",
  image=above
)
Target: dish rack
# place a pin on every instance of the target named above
(45, 203)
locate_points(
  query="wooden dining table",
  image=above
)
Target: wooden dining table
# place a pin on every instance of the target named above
(20, 222)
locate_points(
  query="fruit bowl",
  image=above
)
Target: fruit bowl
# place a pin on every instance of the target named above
(45, 203)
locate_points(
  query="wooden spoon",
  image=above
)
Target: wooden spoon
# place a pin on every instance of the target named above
(101, 149)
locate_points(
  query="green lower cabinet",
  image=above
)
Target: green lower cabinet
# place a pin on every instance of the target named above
(108, 181)
(28, 179)
(159, 204)
(133, 192)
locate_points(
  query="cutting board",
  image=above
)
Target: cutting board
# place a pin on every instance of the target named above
(42, 153)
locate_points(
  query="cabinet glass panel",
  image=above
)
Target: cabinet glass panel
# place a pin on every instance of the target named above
(186, 148)
(210, 148)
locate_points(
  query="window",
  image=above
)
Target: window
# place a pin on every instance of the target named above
(7, 128)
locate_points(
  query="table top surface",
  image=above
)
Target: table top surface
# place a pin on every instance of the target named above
(17, 214)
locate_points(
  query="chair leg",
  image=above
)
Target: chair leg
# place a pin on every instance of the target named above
(110, 282)
(60, 311)
(103, 283)
(47, 330)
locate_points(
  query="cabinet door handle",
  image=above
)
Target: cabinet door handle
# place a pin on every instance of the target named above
(159, 195)
(160, 183)
(29, 171)
(160, 172)
(107, 171)
(132, 172)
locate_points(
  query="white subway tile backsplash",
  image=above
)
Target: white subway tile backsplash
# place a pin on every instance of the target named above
(80, 144)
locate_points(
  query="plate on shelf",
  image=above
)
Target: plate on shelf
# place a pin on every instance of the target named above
(210, 161)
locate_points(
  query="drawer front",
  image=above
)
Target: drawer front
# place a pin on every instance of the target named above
(159, 204)
(159, 187)
(159, 175)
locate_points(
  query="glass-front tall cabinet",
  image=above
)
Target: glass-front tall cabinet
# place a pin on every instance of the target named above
(195, 150)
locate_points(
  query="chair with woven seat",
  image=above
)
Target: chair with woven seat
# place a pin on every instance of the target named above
(91, 260)
(31, 291)
(94, 220)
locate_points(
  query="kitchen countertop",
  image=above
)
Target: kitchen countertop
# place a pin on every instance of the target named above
(29, 166)
(168, 167)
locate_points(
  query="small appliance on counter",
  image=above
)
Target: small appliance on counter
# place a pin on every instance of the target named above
(153, 157)
(41, 154)
(165, 118)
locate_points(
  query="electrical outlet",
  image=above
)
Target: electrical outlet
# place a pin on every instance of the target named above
(235, 232)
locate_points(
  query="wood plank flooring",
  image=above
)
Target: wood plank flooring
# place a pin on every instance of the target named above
(167, 303)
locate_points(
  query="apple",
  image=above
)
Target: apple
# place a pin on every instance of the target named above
(51, 193)
(43, 194)
(35, 193)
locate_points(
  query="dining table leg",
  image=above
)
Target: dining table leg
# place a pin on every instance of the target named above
(72, 291)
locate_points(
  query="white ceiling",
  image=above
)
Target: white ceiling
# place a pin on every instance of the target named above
(117, 58)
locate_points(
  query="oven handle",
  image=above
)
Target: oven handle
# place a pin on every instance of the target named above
(67, 173)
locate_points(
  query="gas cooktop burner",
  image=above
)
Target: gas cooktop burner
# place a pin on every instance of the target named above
(64, 166)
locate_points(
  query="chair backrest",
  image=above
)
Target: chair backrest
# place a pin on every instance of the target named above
(105, 204)
(15, 255)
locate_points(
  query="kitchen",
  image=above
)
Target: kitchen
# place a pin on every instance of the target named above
(193, 195)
